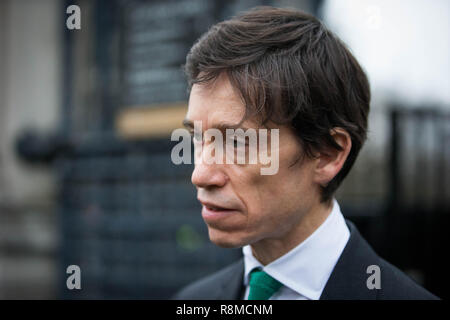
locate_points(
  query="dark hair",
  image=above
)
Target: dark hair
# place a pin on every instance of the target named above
(289, 69)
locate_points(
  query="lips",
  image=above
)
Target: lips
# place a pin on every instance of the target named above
(213, 211)
(214, 207)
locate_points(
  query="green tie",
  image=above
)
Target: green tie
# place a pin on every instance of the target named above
(262, 286)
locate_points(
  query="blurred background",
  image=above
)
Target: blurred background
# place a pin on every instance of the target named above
(85, 121)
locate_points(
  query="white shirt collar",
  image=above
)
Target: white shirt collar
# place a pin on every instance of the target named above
(306, 268)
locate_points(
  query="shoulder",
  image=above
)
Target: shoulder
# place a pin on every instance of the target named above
(349, 277)
(396, 285)
(210, 287)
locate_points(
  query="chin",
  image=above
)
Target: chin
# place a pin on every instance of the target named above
(226, 239)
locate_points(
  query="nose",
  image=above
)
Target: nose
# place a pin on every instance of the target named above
(208, 176)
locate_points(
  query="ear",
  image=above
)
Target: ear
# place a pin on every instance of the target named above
(330, 162)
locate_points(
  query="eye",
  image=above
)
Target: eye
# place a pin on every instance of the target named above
(195, 137)
(238, 143)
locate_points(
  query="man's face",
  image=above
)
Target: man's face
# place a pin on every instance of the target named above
(241, 206)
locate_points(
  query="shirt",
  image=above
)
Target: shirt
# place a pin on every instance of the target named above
(305, 270)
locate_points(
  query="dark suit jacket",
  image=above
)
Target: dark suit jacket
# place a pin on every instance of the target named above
(347, 281)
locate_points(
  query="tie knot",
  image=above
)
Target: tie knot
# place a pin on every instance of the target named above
(262, 286)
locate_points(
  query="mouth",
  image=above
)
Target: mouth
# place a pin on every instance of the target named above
(213, 212)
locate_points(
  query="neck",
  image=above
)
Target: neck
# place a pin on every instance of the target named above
(270, 249)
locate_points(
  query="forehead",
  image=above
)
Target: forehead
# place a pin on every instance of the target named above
(215, 102)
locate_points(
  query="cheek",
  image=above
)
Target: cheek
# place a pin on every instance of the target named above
(276, 198)
(265, 197)
(246, 183)
(272, 200)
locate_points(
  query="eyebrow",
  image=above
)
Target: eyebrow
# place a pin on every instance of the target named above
(222, 126)
(188, 124)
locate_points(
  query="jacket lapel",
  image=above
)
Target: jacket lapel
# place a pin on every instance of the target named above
(349, 277)
(232, 287)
